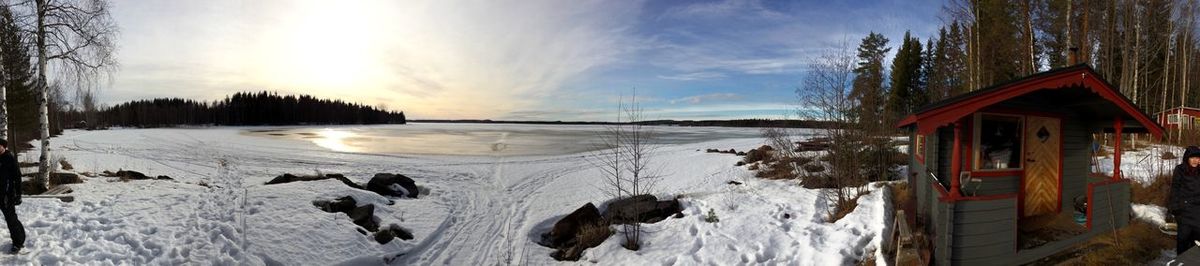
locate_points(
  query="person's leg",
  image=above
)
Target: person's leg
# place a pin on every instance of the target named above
(15, 229)
(1183, 238)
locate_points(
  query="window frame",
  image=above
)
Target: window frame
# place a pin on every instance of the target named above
(977, 150)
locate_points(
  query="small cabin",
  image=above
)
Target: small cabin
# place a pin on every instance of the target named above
(1187, 118)
(1003, 175)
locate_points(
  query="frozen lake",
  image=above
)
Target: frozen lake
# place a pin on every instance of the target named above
(483, 139)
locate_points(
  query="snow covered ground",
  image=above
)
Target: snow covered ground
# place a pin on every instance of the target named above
(481, 210)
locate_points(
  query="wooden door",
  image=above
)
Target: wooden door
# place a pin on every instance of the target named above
(1043, 156)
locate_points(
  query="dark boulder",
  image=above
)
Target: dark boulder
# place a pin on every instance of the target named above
(589, 236)
(365, 216)
(163, 177)
(385, 184)
(288, 178)
(135, 175)
(343, 205)
(344, 180)
(284, 178)
(391, 232)
(566, 229)
(641, 209)
(64, 178)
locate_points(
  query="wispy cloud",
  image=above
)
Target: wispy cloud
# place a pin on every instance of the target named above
(535, 59)
(695, 76)
(707, 98)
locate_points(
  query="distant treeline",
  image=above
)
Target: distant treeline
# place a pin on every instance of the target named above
(243, 108)
(688, 123)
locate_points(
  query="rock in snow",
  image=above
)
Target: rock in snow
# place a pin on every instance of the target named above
(568, 227)
(575, 233)
(382, 184)
(288, 178)
(641, 209)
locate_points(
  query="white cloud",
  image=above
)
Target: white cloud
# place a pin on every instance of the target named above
(695, 76)
(707, 98)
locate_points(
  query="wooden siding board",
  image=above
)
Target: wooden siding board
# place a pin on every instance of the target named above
(996, 251)
(971, 205)
(997, 239)
(1005, 226)
(996, 260)
(984, 216)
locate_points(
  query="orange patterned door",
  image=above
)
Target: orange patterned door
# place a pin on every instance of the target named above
(1043, 150)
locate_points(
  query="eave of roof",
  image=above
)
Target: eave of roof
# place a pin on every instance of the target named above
(944, 112)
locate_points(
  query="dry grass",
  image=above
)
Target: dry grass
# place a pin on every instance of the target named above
(1188, 137)
(1135, 244)
(901, 194)
(1155, 193)
(778, 170)
(65, 165)
(813, 168)
(592, 235)
(1166, 155)
(760, 154)
(843, 208)
(781, 168)
(868, 260)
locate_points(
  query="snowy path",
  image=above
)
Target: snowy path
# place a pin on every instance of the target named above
(480, 210)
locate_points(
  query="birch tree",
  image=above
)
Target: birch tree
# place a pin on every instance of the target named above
(77, 38)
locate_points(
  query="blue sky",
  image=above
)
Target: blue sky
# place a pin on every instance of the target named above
(520, 60)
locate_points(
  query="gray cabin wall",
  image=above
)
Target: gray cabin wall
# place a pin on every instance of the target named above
(984, 232)
(1076, 161)
(1110, 206)
(945, 137)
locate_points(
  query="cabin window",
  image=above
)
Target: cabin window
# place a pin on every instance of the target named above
(919, 147)
(999, 142)
(1173, 119)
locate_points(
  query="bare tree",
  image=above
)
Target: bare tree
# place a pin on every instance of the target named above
(825, 96)
(78, 39)
(627, 164)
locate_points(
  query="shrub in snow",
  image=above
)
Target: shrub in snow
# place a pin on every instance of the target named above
(711, 217)
(813, 168)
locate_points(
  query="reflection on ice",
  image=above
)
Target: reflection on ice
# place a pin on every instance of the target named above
(332, 139)
(482, 139)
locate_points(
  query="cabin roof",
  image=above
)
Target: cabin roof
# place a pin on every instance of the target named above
(1177, 108)
(1084, 84)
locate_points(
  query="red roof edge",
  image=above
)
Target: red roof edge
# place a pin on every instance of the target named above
(929, 120)
(907, 121)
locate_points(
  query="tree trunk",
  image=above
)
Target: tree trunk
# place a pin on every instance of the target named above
(43, 99)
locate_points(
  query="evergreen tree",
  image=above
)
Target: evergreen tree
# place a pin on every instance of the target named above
(907, 91)
(21, 96)
(868, 89)
(954, 66)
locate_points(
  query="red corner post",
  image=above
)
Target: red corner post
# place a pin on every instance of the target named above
(956, 161)
(1118, 125)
